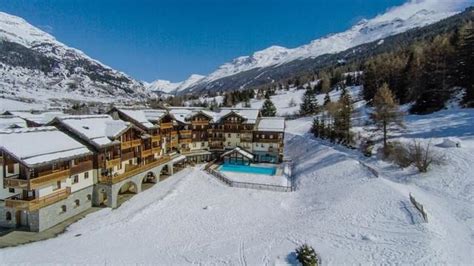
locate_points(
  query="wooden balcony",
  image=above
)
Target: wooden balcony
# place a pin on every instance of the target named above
(133, 170)
(128, 155)
(174, 142)
(37, 203)
(15, 182)
(112, 163)
(46, 178)
(156, 150)
(156, 138)
(199, 122)
(81, 167)
(146, 153)
(267, 140)
(167, 125)
(174, 133)
(130, 144)
(222, 138)
(185, 132)
(246, 139)
(185, 141)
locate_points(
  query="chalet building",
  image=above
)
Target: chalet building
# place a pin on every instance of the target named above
(123, 154)
(268, 137)
(46, 176)
(51, 173)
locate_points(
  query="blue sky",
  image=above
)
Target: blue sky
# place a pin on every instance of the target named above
(172, 39)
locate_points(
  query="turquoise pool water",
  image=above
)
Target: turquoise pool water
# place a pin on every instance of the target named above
(248, 169)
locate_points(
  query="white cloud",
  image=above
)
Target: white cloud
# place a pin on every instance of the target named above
(413, 6)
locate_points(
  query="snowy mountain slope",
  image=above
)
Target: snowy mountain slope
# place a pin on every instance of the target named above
(35, 66)
(168, 87)
(339, 208)
(269, 64)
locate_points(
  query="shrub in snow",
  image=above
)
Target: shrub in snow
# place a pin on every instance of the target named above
(306, 255)
(414, 154)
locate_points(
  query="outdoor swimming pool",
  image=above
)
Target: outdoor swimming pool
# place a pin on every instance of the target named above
(247, 169)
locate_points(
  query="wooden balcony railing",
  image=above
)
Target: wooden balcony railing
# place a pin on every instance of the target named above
(156, 138)
(15, 182)
(130, 144)
(246, 139)
(199, 123)
(166, 125)
(34, 204)
(216, 138)
(146, 153)
(185, 141)
(112, 163)
(185, 132)
(81, 167)
(131, 171)
(174, 133)
(156, 150)
(46, 178)
(267, 140)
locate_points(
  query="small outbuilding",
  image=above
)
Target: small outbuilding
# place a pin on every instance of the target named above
(237, 156)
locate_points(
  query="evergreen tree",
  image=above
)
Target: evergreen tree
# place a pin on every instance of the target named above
(465, 61)
(310, 104)
(306, 255)
(343, 120)
(268, 108)
(327, 99)
(386, 112)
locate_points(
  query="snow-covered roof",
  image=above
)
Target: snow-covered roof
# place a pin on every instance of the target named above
(182, 114)
(39, 145)
(273, 124)
(39, 118)
(11, 121)
(239, 150)
(249, 114)
(146, 117)
(98, 129)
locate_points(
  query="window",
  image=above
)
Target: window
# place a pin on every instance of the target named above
(271, 136)
(75, 179)
(63, 208)
(86, 175)
(203, 144)
(89, 197)
(11, 168)
(77, 203)
(11, 190)
(228, 135)
(8, 216)
(194, 144)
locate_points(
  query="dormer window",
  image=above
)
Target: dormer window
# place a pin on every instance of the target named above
(85, 127)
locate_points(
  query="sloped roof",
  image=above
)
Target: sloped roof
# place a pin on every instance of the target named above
(240, 151)
(249, 114)
(98, 129)
(273, 124)
(145, 117)
(38, 145)
(39, 118)
(11, 121)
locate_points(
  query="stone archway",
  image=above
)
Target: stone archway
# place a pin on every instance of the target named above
(126, 191)
(148, 180)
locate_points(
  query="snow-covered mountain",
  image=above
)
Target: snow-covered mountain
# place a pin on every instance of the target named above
(34, 66)
(168, 87)
(413, 14)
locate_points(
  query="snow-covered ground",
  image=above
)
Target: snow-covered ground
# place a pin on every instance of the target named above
(339, 207)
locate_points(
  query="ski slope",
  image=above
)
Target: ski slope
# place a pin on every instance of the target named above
(339, 207)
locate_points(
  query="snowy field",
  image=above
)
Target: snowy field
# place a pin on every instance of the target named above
(339, 207)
